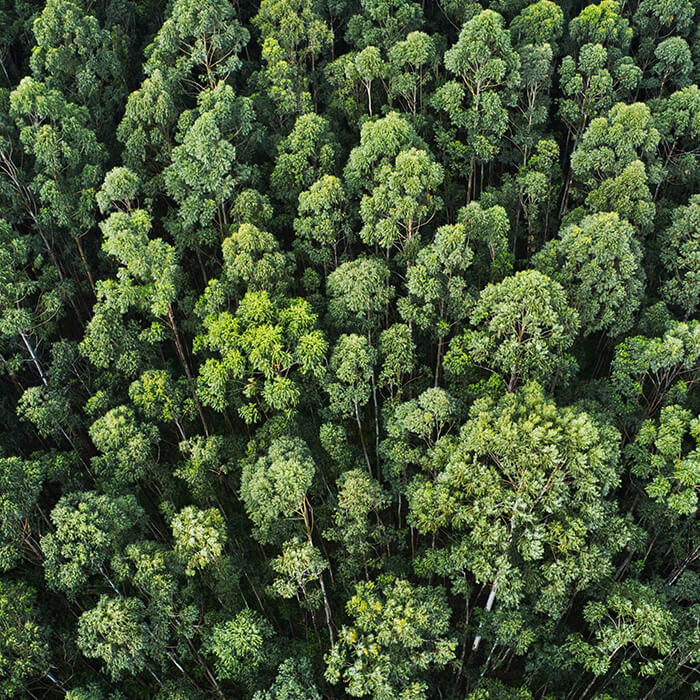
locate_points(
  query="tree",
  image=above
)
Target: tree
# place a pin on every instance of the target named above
(89, 528)
(366, 67)
(541, 22)
(356, 520)
(82, 60)
(31, 297)
(147, 129)
(676, 118)
(412, 63)
(197, 46)
(159, 397)
(657, 456)
(590, 86)
(398, 633)
(199, 537)
(528, 482)
(402, 202)
(486, 67)
(294, 680)
(309, 152)
(602, 24)
(115, 631)
(397, 353)
(381, 141)
(58, 194)
(296, 35)
(359, 292)
(351, 382)
(674, 64)
(200, 178)
(274, 487)
(632, 618)
(439, 294)
(262, 355)
(522, 329)
(598, 262)
(323, 226)
(487, 229)
(383, 24)
(241, 647)
(611, 143)
(300, 564)
(414, 429)
(679, 255)
(253, 262)
(126, 446)
(652, 19)
(538, 184)
(21, 482)
(628, 195)
(148, 280)
(24, 648)
(646, 371)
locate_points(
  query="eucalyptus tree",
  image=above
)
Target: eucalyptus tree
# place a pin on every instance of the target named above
(526, 480)
(598, 262)
(398, 632)
(522, 328)
(475, 102)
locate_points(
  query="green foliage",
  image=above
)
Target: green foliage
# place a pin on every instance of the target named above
(126, 446)
(240, 646)
(24, 649)
(679, 253)
(401, 202)
(294, 680)
(264, 353)
(658, 456)
(299, 565)
(85, 62)
(274, 487)
(646, 371)
(21, 482)
(399, 632)
(522, 328)
(115, 632)
(322, 226)
(200, 177)
(598, 262)
(359, 291)
(303, 157)
(89, 528)
(349, 349)
(486, 67)
(199, 537)
(527, 482)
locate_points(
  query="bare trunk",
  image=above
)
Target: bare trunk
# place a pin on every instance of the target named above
(489, 606)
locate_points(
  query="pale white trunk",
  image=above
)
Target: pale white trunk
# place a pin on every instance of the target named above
(489, 605)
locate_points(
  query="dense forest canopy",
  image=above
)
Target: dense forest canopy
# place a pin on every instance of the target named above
(349, 348)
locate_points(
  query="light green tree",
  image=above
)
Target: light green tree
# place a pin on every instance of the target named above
(398, 633)
(522, 328)
(598, 262)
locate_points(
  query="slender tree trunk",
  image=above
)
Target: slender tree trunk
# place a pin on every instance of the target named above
(437, 362)
(376, 415)
(327, 608)
(85, 265)
(185, 365)
(362, 438)
(35, 359)
(489, 606)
